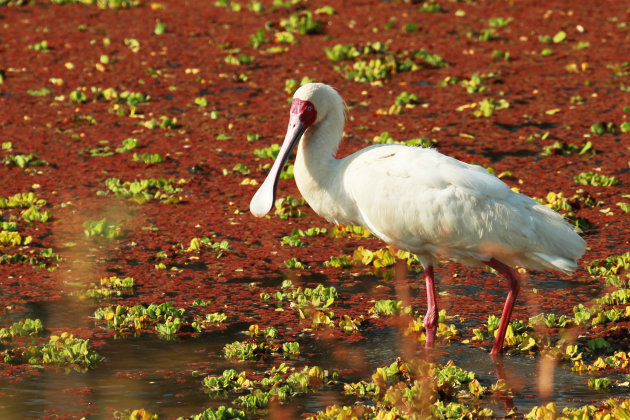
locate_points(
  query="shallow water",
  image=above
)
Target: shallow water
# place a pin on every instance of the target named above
(165, 377)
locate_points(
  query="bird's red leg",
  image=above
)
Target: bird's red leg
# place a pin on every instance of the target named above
(514, 285)
(430, 320)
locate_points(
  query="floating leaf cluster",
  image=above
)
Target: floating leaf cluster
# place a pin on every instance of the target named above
(281, 383)
(62, 350)
(164, 318)
(160, 189)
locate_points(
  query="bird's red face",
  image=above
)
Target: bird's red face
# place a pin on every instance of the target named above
(303, 111)
(302, 115)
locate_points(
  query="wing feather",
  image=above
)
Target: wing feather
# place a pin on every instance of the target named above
(436, 206)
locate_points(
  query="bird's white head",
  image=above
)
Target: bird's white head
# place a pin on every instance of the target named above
(311, 103)
(322, 97)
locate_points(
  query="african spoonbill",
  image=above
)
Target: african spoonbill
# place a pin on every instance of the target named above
(418, 200)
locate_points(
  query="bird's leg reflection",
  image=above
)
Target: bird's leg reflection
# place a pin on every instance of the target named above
(407, 344)
(505, 390)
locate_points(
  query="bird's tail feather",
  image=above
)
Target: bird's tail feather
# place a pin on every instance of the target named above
(560, 246)
(558, 263)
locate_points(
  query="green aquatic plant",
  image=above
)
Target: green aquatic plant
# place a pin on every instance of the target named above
(141, 191)
(22, 160)
(603, 128)
(592, 178)
(434, 60)
(219, 413)
(103, 228)
(35, 214)
(201, 102)
(107, 288)
(214, 318)
(148, 158)
(62, 350)
(23, 328)
(617, 297)
(386, 138)
(389, 307)
(383, 257)
(258, 38)
(617, 360)
(340, 52)
(567, 149)
(168, 328)
(65, 349)
(609, 409)
(406, 98)
(281, 382)
(240, 167)
(137, 414)
(549, 320)
(319, 297)
(137, 318)
(430, 6)
(46, 258)
(296, 234)
(78, 97)
(341, 261)
(614, 264)
(477, 82)
(484, 35)
(21, 201)
(301, 23)
(196, 244)
(344, 231)
(600, 384)
(519, 336)
(253, 350)
(117, 283)
(239, 60)
(291, 348)
(127, 145)
(102, 4)
(445, 332)
(163, 122)
(290, 206)
(487, 106)
(160, 27)
(39, 92)
(372, 62)
(255, 331)
(270, 152)
(11, 238)
(40, 46)
(499, 22)
(411, 389)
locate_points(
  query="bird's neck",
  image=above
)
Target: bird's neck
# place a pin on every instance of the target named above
(320, 142)
(317, 171)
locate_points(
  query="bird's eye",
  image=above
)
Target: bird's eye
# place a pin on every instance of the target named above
(309, 108)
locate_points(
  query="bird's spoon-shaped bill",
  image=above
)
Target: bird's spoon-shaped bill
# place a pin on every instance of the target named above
(263, 200)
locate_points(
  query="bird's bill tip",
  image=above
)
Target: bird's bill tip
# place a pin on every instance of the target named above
(262, 202)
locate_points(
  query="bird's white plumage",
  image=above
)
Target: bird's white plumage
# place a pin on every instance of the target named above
(422, 201)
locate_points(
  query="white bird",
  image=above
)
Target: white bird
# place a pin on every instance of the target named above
(418, 200)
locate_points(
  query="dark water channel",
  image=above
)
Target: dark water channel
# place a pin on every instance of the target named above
(165, 377)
